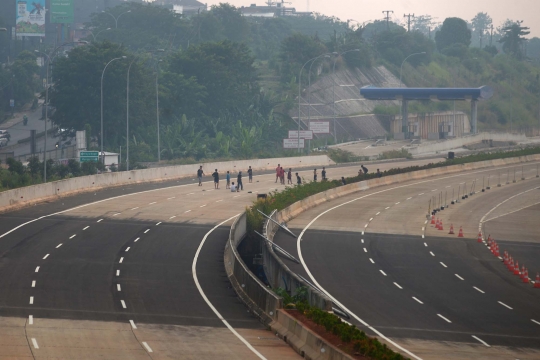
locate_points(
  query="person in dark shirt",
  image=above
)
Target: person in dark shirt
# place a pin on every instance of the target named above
(323, 174)
(215, 175)
(364, 169)
(250, 174)
(315, 175)
(343, 181)
(298, 179)
(379, 173)
(200, 174)
(239, 181)
(289, 176)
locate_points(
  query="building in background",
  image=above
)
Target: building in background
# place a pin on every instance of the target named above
(184, 7)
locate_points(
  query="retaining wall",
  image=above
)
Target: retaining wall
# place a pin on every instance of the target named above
(11, 199)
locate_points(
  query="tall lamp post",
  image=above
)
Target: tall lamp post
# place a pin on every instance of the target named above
(403, 62)
(117, 17)
(334, 91)
(157, 109)
(99, 32)
(309, 93)
(102, 134)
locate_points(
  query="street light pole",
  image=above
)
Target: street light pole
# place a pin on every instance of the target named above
(46, 115)
(127, 115)
(157, 111)
(99, 32)
(401, 68)
(309, 96)
(334, 90)
(116, 18)
(102, 134)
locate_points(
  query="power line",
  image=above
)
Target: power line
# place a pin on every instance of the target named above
(388, 18)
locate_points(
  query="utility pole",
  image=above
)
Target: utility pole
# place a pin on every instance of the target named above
(408, 21)
(388, 18)
(491, 37)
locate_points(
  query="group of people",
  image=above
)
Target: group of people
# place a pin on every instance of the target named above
(229, 185)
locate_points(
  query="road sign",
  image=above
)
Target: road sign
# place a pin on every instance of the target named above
(304, 134)
(320, 127)
(85, 156)
(293, 143)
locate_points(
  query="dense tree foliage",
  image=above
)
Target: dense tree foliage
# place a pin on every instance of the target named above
(453, 31)
(513, 40)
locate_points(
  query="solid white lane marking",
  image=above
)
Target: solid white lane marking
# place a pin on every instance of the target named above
(172, 217)
(203, 205)
(118, 287)
(127, 249)
(123, 304)
(370, 259)
(432, 254)
(30, 320)
(421, 194)
(418, 300)
(135, 208)
(386, 208)
(31, 300)
(443, 264)
(158, 223)
(382, 272)
(445, 319)
(220, 200)
(148, 348)
(46, 256)
(171, 198)
(482, 341)
(132, 324)
(195, 278)
(536, 322)
(147, 230)
(100, 220)
(37, 269)
(72, 236)
(152, 203)
(121, 260)
(86, 228)
(513, 211)
(398, 203)
(137, 239)
(33, 283)
(398, 285)
(118, 272)
(477, 289)
(506, 306)
(377, 213)
(34, 342)
(365, 250)
(57, 246)
(459, 277)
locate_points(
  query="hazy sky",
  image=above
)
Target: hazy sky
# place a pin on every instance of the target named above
(363, 10)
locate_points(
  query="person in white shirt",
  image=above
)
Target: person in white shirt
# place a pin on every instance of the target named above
(233, 187)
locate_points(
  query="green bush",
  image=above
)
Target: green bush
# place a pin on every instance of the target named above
(395, 154)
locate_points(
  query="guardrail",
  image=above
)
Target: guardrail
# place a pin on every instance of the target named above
(252, 291)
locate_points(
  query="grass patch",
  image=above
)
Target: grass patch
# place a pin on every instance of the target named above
(395, 154)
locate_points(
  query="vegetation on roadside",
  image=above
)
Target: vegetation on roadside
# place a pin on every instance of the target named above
(340, 156)
(395, 154)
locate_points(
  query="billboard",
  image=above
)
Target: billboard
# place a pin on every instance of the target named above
(304, 134)
(293, 144)
(30, 18)
(320, 127)
(61, 11)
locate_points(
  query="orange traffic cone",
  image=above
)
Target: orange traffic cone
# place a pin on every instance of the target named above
(479, 239)
(437, 223)
(451, 229)
(537, 281)
(460, 234)
(441, 225)
(489, 239)
(522, 273)
(516, 268)
(510, 265)
(432, 219)
(497, 253)
(525, 277)
(505, 258)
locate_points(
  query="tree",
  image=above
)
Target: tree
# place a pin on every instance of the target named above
(453, 31)
(295, 51)
(480, 23)
(396, 45)
(25, 80)
(513, 40)
(533, 48)
(234, 26)
(423, 24)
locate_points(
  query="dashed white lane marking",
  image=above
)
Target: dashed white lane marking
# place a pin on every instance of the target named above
(409, 198)
(236, 196)
(116, 214)
(425, 222)
(477, 289)
(37, 269)
(398, 203)
(433, 190)
(448, 186)
(482, 341)
(57, 246)
(100, 220)
(123, 304)
(121, 260)
(133, 324)
(423, 228)
(34, 342)
(443, 264)
(425, 243)
(31, 300)
(461, 183)
(398, 285)
(459, 277)
(30, 320)
(148, 348)
(370, 259)
(432, 254)
(172, 217)
(203, 205)
(506, 306)
(445, 319)
(158, 223)
(362, 232)
(127, 249)
(418, 300)
(365, 250)
(147, 230)
(33, 283)
(152, 203)
(117, 272)
(382, 272)
(118, 287)
(191, 193)
(72, 236)
(135, 208)
(371, 219)
(86, 228)
(46, 256)
(421, 194)
(536, 322)
(386, 208)
(377, 213)
(362, 240)
(365, 226)
(171, 198)
(187, 211)
(137, 239)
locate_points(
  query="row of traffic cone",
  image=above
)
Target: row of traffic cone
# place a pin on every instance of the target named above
(439, 226)
(451, 232)
(523, 273)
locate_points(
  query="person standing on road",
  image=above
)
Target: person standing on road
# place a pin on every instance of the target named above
(278, 170)
(250, 174)
(282, 176)
(200, 174)
(215, 175)
(324, 174)
(343, 181)
(289, 176)
(315, 175)
(298, 179)
(364, 169)
(379, 173)
(228, 178)
(239, 180)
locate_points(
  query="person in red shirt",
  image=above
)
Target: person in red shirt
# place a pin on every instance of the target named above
(278, 170)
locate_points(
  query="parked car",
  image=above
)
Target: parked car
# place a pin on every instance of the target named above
(4, 134)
